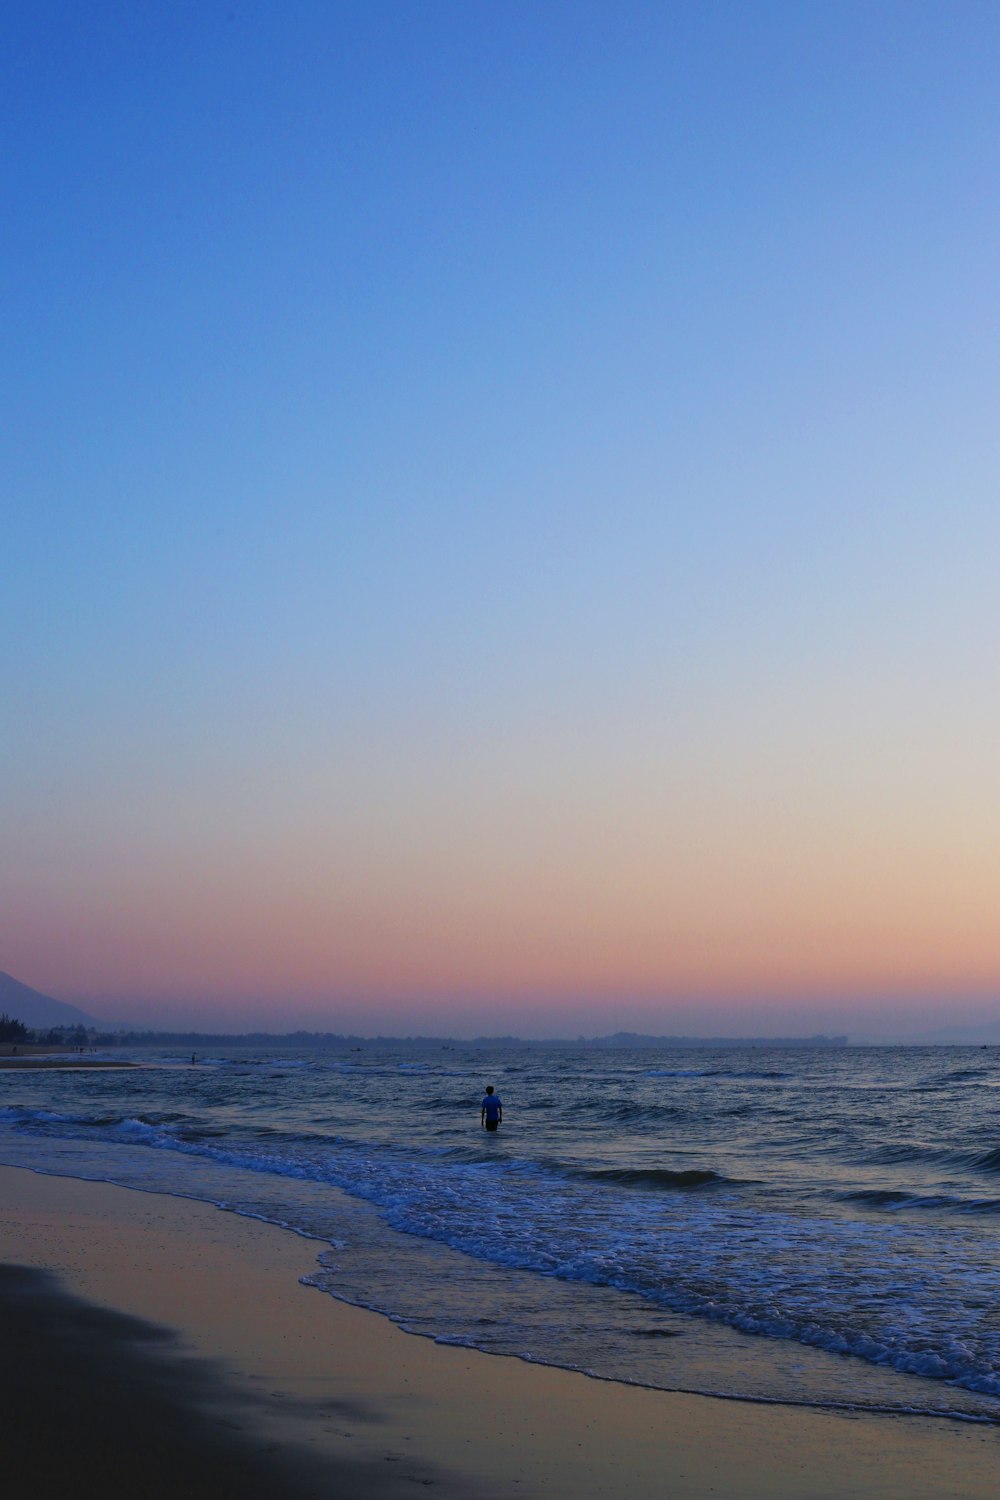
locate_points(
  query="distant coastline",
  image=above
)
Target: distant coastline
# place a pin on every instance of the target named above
(619, 1039)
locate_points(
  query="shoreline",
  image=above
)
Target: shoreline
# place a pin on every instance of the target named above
(41, 1055)
(314, 1386)
(64, 1064)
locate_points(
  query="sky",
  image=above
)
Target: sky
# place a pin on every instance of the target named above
(500, 514)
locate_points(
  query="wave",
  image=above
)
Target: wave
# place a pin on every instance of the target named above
(894, 1199)
(903, 1151)
(748, 1073)
(628, 1111)
(22, 1115)
(715, 1073)
(986, 1161)
(655, 1177)
(877, 1197)
(963, 1075)
(894, 1153)
(678, 1073)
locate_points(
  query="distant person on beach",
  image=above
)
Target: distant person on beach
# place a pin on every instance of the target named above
(491, 1114)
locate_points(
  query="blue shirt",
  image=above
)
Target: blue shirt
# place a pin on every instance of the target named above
(492, 1106)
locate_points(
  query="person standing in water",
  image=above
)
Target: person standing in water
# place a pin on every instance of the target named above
(491, 1114)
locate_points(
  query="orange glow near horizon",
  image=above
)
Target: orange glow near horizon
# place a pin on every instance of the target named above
(571, 904)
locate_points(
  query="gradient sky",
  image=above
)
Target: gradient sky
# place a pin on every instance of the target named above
(501, 524)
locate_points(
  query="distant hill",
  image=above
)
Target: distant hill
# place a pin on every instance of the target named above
(35, 1009)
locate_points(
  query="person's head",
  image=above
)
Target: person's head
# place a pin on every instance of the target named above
(489, 1088)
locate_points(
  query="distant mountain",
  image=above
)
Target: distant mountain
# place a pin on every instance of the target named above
(35, 1009)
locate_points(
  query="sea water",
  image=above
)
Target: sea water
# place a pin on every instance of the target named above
(817, 1226)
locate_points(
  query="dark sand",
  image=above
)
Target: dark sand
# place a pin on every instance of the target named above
(96, 1401)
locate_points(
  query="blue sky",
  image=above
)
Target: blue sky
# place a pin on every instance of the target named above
(502, 499)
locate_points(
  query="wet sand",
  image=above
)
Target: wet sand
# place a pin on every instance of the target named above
(171, 1348)
(63, 1064)
(34, 1055)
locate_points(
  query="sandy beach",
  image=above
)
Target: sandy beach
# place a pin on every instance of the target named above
(171, 1345)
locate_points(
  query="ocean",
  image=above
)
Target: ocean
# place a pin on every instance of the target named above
(766, 1224)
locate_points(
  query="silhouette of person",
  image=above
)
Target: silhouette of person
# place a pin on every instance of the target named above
(491, 1113)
